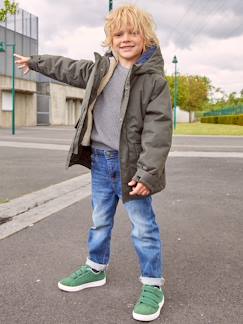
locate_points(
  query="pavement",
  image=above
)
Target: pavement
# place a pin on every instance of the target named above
(199, 213)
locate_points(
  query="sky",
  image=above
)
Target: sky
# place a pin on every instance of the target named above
(205, 35)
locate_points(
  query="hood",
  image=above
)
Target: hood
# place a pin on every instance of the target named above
(150, 61)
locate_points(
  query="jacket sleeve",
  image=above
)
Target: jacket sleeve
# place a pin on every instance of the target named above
(156, 136)
(63, 69)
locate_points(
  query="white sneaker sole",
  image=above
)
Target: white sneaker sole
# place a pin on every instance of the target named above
(81, 287)
(148, 318)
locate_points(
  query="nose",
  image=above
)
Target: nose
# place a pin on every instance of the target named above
(125, 37)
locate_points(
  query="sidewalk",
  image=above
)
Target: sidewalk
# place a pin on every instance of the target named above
(200, 216)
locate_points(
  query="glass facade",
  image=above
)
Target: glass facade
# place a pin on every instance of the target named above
(21, 30)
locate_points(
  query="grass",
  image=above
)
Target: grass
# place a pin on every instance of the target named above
(208, 129)
(3, 200)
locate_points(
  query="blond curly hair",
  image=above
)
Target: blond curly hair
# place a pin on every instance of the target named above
(137, 19)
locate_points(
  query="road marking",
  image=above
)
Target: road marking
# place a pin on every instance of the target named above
(209, 146)
(171, 154)
(38, 139)
(210, 136)
(40, 128)
(39, 146)
(206, 154)
(33, 207)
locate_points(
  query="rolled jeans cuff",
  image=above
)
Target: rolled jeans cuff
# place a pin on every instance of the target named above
(152, 281)
(96, 266)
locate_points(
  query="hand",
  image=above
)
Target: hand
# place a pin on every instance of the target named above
(22, 63)
(138, 188)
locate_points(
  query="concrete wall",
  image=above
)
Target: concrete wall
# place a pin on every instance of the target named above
(25, 102)
(65, 103)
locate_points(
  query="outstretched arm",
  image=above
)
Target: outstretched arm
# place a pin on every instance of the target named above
(63, 69)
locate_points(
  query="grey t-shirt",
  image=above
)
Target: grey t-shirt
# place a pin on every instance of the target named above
(106, 115)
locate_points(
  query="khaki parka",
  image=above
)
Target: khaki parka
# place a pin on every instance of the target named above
(145, 114)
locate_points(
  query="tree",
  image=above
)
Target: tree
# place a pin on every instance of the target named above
(228, 101)
(192, 94)
(9, 7)
(241, 93)
(232, 99)
(217, 95)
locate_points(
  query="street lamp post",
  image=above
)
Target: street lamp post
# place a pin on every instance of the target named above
(110, 5)
(175, 61)
(3, 49)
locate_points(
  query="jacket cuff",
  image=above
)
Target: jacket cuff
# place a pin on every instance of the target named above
(33, 62)
(144, 177)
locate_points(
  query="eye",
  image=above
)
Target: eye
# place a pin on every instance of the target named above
(118, 34)
(134, 33)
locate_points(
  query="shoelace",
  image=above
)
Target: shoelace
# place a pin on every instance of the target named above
(80, 271)
(149, 296)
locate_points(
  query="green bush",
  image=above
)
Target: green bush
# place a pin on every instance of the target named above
(227, 119)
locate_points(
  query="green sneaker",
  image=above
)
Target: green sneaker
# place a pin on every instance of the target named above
(149, 304)
(83, 278)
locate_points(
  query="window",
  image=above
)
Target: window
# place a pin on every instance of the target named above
(6, 101)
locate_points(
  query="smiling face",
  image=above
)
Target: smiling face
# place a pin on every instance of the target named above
(128, 45)
(129, 32)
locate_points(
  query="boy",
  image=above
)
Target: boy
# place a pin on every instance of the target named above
(123, 135)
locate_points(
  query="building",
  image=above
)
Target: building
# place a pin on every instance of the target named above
(38, 100)
(183, 116)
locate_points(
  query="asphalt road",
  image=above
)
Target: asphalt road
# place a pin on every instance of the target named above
(200, 216)
(24, 170)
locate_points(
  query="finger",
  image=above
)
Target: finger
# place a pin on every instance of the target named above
(132, 183)
(144, 190)
(136, 190)
(146, 193)
(132, 193)
(143, 193)
(20, 62)
(22, 59)
(141, 187)
(17, 55)
(21, 66)
(26, 70)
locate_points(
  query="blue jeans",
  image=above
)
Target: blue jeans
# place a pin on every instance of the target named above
(106, 191)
